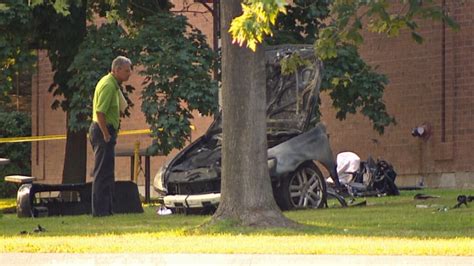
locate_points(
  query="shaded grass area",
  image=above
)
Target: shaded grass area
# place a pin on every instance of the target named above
(387, 225)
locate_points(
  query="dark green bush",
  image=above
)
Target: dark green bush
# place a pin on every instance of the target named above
(14, 124)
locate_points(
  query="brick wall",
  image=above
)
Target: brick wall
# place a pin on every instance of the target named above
(419, 76)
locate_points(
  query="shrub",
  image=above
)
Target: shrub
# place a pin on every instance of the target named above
(14, 124)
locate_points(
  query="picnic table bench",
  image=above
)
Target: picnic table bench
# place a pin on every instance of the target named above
(4, 161)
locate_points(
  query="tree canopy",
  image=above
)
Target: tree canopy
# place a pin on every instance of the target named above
(15, 52)
(175, 57)
(174, 83)
(175, 65)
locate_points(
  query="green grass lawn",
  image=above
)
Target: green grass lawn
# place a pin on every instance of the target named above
(387, 225)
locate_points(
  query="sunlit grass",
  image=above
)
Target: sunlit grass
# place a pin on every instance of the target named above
(7, 203)
(388, 225)
(228, 243)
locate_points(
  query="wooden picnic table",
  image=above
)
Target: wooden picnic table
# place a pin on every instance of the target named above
(127, 152)
(4, 161)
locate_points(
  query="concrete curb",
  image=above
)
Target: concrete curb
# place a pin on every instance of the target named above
(223, 259)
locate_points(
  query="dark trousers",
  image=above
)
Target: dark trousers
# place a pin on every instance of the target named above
(103, 173)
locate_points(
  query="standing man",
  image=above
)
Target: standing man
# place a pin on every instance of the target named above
(103, 134)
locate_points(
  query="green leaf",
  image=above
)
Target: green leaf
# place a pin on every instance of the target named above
(62, 6)
(255, 22)
(417, 37)
(452, 23)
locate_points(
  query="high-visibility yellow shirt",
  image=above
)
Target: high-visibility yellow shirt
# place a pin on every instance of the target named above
(106, 100)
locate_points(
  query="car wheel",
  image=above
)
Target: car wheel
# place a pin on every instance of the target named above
(304, 188)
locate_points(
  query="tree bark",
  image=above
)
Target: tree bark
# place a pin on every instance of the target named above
(246, 191)
(75, 159)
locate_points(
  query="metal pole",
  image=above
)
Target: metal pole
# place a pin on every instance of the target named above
(135, 165)
(147, 178)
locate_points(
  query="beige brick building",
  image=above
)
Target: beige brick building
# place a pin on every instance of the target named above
(432, 84)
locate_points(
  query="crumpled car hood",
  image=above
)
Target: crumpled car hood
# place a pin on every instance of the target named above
(291, 110)
(292, 99)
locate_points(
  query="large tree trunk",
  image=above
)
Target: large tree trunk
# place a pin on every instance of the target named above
(246, 192)
(75, 160)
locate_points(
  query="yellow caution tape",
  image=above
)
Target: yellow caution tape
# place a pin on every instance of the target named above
(57, 137)
(134, 132)
(31, 139)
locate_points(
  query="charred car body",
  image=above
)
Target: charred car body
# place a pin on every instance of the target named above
(191, 181)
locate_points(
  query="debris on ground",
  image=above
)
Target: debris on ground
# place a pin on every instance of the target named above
(162, 210)
(438, 207)
(463, 199)
(359, 204)
(37, 229)
(421, 196)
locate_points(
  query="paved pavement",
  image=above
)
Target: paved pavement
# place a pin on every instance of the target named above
(223, 259)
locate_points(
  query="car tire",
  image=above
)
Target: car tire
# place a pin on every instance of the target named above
(301, 189)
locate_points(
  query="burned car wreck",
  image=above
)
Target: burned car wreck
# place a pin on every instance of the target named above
(190, 182)
(40, 200)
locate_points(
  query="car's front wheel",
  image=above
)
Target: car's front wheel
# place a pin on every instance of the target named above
(304, 188)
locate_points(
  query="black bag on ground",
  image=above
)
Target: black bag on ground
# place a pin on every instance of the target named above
(384, 179)
(374, 178)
